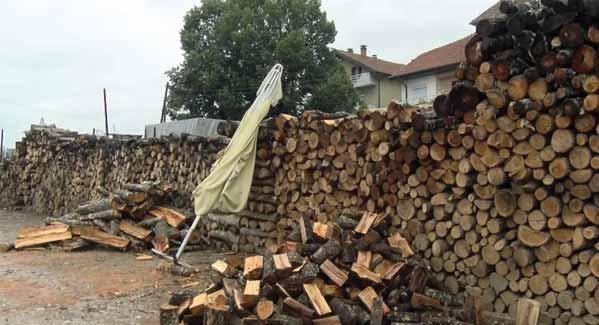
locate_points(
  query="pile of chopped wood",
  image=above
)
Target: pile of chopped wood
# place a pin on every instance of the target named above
(497, 188)
(341, 274)
(328, 165)
(133, 217)
(53, 169)
(56, 169)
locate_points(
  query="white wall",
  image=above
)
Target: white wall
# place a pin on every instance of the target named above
(418, 82)
(445, 82)
(435, 84)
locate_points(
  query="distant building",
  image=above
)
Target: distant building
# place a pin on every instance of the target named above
(431, 73)
(204, 127)
(428, 75)
(370, 77)
(8, 153)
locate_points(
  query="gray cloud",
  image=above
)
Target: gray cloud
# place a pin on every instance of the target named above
(57, 55)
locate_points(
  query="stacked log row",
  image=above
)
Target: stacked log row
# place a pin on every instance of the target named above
(498, 187)
(496, 205)
(535, 137)
(262, 197)
(54, 169)
(57, 169)
(245, 231)
(327, 164)
(8, 187)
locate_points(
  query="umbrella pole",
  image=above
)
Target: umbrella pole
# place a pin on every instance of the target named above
(187, 236)
(266, 88)
(181, 249)
(170, 258)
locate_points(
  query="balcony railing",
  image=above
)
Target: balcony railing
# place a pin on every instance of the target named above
(363, 80)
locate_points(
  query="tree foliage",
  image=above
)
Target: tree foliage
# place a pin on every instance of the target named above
(230, 45)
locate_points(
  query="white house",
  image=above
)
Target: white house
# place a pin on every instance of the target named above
(370, 77)
(431, 73)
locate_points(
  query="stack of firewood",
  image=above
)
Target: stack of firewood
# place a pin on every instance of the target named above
(333, 164)
(339, 165)
(246, 231)
(529, 155)
(346, 273)
(135, 217)
(8, 187)
(262, 198)
(498, 186)
(55, 169)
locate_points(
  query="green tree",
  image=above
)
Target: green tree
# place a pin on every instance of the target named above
(230, 45)
(335, 94)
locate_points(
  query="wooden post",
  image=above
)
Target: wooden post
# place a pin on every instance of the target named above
(105, 114)
(163, 113)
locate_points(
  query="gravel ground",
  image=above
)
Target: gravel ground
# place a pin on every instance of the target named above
(97, 286)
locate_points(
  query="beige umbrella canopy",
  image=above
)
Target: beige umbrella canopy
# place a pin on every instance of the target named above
(227, 188)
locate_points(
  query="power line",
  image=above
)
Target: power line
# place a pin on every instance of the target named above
(251, 88)
(214, 91)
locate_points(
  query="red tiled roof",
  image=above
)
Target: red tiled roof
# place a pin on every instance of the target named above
(376, 64)
(440, 57)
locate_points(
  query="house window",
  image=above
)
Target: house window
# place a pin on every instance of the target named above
(356, 71)
(420, 94)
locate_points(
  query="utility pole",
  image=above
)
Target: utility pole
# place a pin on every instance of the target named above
(105, 113)
(2, 145)
(163, 115)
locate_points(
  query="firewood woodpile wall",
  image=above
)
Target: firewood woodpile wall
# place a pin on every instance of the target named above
(7, 185)
(498, 187)
(55, 170)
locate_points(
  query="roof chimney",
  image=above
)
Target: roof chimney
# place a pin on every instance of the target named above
(363, 50)
(374, 56)
(350, 50)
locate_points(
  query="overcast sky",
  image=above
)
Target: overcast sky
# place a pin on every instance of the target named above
(57, 55)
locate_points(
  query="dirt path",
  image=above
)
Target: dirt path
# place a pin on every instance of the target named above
(92, 287)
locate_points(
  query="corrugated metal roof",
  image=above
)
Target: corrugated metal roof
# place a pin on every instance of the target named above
(203, 127)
